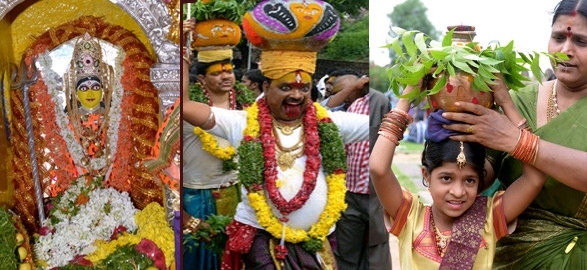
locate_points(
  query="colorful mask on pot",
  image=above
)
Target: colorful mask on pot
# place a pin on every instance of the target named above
(298, 25)
(290, 33)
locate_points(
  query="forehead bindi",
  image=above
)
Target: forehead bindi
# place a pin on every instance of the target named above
(569, 24)
(295, 79)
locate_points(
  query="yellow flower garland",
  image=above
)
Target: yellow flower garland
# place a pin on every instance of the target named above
(253, 127)
(334, 204)
(152, 225)
(210, 145)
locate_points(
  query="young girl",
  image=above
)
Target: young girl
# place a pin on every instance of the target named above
(459, 230)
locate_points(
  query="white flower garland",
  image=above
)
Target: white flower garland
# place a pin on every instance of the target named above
(55, 88)
(76, 234)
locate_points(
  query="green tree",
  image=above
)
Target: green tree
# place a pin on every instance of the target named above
(351, 42)
(378, 78)
(411, 15)
(348, 7)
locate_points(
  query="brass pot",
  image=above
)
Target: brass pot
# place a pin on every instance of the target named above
(458, 88)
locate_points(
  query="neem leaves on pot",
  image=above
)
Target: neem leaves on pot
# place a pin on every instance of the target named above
(422, 58)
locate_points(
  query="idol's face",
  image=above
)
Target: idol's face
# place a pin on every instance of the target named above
(89, 93)
(288, 96)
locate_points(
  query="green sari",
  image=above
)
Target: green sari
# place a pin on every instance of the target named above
(552, 232)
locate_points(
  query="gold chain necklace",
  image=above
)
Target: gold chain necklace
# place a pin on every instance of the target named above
(552, 107)
(285, 129)
(286, 156)
(441, 240)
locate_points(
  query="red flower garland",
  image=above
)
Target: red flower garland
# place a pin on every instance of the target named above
(311, 150)
(150, 249)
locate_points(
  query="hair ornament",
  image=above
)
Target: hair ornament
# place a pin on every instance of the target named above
(461, 159)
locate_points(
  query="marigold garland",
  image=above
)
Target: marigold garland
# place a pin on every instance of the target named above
(244, 97)
(253, 156)
(210, 145)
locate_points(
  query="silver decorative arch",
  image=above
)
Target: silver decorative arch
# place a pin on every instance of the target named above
(155, 20)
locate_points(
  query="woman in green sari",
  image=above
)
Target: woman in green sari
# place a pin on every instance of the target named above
(552, 232)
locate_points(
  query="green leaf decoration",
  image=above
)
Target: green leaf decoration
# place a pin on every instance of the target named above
(217, 9)
(420, 55)
(409, 44)
(439, 85)
(8, 243)
(535, 67)
(447, 41)
(421, 44)
(439, 55)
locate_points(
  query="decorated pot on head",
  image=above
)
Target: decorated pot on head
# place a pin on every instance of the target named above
(290, 33)
(217, 28)
(460, 86)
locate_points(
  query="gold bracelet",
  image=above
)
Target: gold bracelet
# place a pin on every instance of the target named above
(193, 223)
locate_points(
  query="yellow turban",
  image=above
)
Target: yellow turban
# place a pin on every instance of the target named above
(209, 56)
(276, 64)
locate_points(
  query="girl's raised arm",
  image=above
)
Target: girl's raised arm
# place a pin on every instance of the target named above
(384, 180)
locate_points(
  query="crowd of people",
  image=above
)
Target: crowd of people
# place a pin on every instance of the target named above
(288, 158)
(290, 177)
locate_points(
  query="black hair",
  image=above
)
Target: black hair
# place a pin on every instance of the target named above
(436, 153)
(238, 74)
(202, 68)
(567, 7)
(315, 94)
(345, 71)
(255, 75)
(85, 79)
(330, 70)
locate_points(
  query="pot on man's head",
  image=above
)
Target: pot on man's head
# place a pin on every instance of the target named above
(290, 33)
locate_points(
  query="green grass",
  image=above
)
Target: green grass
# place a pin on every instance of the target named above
(408, 181)
(404, 180)
(410, 147)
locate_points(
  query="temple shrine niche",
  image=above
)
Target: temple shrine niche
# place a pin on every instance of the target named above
(85, 90)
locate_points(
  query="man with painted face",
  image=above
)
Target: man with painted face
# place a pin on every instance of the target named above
(291, 151)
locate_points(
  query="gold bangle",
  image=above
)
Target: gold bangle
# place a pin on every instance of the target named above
(192, 225)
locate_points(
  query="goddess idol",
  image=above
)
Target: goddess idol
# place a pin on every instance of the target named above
(88, 91)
